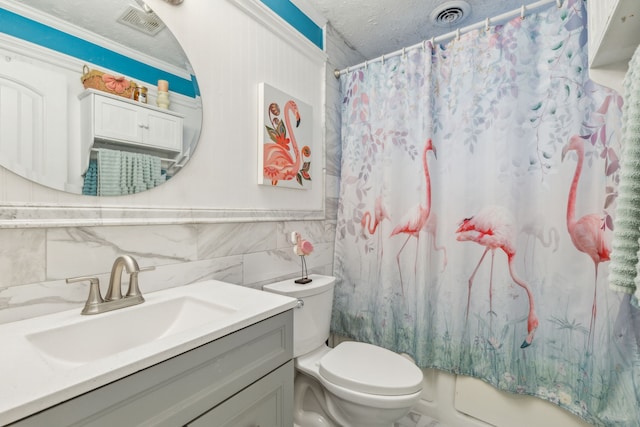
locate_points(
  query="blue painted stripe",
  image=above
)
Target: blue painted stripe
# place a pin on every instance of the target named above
(298, 20)
(26, 29)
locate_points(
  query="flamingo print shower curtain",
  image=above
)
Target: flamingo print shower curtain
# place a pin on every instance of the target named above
(478, 189)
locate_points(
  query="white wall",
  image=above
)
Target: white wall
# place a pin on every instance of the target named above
(231, 54)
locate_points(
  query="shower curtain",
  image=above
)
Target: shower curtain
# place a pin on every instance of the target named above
(478, 188)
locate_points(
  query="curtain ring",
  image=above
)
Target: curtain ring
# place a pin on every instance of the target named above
(522, 10)
(487, 25)
(559, 3)
(366, 65)
(424, 45)
(433, 43)
(403, 53)
(382, 59)
(458, 34)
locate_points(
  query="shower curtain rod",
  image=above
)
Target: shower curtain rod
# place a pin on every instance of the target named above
(422, 45)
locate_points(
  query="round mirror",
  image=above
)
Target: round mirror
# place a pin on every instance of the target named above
(96, 97)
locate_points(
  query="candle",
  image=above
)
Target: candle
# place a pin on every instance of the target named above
(163, 86)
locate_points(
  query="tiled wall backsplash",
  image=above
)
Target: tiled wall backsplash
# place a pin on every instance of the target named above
(35, 262)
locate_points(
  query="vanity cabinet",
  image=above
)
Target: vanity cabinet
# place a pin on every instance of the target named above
(243, 379)
(111, 121)
(259, 405)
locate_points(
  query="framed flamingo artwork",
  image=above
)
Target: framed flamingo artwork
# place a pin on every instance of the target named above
(285, 140)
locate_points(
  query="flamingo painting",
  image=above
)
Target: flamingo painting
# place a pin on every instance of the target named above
(492, 228)
(587, 232)
(416, 219)
(279, 163)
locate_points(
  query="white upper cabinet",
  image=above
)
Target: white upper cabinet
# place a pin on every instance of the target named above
(111, 121)
(614, 35)
(132, 123)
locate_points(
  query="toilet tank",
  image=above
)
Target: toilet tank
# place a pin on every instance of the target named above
(312, 317)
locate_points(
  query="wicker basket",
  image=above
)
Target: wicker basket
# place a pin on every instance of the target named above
(94, 79)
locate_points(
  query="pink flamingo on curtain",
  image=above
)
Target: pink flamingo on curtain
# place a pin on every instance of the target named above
(492, 228)
(535, 230)
(587, 233)
(379, 214)
(370, 224)
(432, 228)
(415, 220)
(278, 163)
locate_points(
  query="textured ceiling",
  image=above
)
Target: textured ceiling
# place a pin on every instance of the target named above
(377, 27)
(100, 17)
(372, 27)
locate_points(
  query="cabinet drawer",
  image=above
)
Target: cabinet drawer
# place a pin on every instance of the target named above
(266, 403)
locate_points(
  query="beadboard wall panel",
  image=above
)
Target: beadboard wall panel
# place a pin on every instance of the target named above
(231, 52)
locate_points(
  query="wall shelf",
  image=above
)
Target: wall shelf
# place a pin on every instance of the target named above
(614, 35)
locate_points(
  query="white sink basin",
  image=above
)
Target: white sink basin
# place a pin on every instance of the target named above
(95, 337)
(49, 359)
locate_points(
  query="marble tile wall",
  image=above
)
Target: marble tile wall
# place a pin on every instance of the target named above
(34, 262)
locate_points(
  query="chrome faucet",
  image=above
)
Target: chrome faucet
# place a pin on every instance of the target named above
(115, 282)
(114, 300)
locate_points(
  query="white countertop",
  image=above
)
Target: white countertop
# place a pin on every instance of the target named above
(30, 381)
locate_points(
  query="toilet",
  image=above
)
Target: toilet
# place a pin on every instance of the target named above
(352, 385)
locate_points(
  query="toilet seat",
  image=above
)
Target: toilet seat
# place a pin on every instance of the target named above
(370, 369)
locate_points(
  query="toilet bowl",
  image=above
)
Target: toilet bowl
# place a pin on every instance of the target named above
(352, 385)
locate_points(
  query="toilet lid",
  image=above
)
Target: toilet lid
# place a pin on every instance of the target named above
(370, 369)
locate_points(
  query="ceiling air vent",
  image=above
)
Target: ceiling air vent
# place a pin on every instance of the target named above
(450, 13)
(148, 23)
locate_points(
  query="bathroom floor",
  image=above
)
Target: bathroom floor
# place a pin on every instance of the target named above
(413, 419)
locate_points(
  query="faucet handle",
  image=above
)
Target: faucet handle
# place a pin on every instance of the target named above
(134, 290)
(95, 298)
